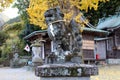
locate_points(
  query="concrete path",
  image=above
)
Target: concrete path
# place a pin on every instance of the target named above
(7, 73)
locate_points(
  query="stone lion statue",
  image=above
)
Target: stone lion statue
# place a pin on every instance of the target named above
(67, 39)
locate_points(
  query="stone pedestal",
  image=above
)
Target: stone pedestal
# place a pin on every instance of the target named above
(71, 71)
(64, 78)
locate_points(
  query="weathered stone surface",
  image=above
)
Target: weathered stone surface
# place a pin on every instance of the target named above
(66, 70)
(113, 61)
(65, 78)
(36, 52)
(66, 39)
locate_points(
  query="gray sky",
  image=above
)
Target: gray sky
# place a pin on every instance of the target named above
(11, 12)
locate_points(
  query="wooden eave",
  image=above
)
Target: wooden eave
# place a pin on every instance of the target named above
(35, 34)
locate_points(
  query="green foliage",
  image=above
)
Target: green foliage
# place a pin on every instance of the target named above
(2, 60)
(6, 50)
(109, 8)
(20, 44)
(16, 19)
(22, 5)
(13, 43)
(13, 27)
(29, 28)
(4, 4)
(3, 37)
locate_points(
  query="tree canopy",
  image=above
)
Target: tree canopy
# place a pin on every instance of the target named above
(4, 4)
(13, 42)
(22, 5)
(3, 37)
(70, 8)
(112, 7)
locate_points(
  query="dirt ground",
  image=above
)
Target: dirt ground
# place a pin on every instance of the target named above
(105, 73)
(108, 73)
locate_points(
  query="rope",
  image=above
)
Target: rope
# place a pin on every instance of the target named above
(57, 21)
(88, 24)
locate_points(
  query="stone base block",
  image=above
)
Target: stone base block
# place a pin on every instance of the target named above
(66, 70)
(65, 78)
(35, 64)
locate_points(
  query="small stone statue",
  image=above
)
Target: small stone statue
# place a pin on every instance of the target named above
(15, 61)
(16, 56)
(66, 38)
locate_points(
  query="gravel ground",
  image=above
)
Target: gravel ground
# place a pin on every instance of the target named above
(7, 73)
(108, 73)
(105, 73)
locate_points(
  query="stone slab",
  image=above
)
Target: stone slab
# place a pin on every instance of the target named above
(113, 61)
(66, 70)
(65, 78)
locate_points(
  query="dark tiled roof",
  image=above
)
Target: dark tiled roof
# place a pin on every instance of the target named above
(94, 30)
(110, 22)
(34, 33)
(84, 29)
